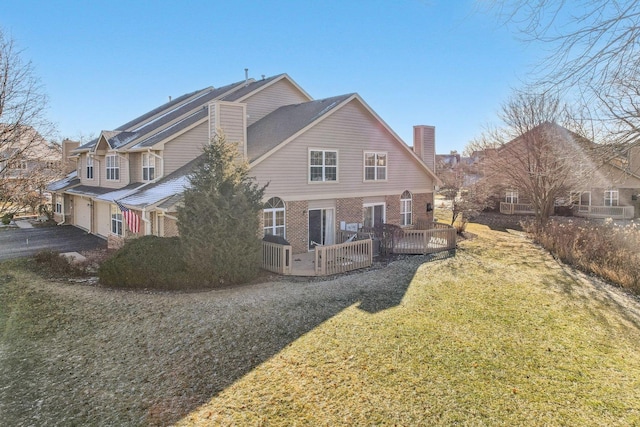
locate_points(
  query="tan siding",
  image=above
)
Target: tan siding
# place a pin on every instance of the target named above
(82, 171)
(103, 218)
(135, 167)
(184, 148)
(350, 131)
(270, 99)
(230, 118)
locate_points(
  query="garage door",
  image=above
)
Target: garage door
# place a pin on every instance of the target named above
(82, 212)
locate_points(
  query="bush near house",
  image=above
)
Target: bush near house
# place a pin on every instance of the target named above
(149, 262)
(604, 249)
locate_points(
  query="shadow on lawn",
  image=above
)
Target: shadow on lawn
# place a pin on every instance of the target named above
(257, 334)
(597, 296)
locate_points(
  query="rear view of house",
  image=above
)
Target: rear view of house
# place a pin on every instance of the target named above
(331, 164)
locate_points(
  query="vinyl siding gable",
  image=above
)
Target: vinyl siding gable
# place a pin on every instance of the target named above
(185, 147)
(351, 131)
(279, 94)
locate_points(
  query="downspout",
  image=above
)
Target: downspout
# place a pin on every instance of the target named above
(64, 217)
(147, 222)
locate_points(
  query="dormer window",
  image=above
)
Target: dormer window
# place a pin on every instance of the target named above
(148, 167)
(113, 167)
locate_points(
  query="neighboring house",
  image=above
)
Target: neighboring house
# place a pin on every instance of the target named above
(596, 181)
(613, 190)
(455, 169)
(27, 164)
(331, 164)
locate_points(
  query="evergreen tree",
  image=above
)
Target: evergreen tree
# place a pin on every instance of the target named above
(219, 220)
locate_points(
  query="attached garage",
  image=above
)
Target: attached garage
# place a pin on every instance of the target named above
(103, 219)
(82, 213)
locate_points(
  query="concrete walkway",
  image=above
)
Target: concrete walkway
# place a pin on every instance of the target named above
(23, 224)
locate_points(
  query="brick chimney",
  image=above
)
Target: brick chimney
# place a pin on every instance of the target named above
(424, 144)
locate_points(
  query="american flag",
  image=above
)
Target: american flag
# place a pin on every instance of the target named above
(132, 220)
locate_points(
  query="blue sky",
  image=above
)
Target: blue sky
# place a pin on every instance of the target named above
(443, 63)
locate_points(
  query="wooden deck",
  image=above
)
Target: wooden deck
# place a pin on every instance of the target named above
(357, 250)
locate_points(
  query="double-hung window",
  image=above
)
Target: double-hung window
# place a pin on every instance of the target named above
(113, 167)
(89, 167)
(58, 207)
(148, 167)
(116, 220)
(375, 166)
(511, 196)
(611, 197)
(406, 203)
(323, 165)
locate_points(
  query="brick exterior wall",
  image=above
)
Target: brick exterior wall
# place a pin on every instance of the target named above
(297, 221)
(393, 209)
(349, 211)
(420, 207)
(115, 242)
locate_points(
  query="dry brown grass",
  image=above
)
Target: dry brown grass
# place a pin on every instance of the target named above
(500, 335)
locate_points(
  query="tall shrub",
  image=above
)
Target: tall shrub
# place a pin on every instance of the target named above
(218, 222)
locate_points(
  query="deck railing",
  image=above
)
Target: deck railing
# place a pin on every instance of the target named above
(343, 257)
(615, 212)
(516, 208)
(437, 237)
(426, 241)
(276, 257)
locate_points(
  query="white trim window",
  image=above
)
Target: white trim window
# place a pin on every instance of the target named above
(375, 166)
(148, 167)
(116, 221)
(89, 167)
(406, 207)
(611, 197)
(58, 207)
(274, 217)
(323, 166)
(113, 167)
(511, 196)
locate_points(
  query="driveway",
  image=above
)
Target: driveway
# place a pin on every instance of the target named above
(21, 242)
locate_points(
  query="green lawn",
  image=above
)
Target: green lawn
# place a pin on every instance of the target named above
(499, 335)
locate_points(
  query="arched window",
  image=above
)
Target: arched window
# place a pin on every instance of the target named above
(406, 206)
(274, 215)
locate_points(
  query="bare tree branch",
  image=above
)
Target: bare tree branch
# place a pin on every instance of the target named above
(27, 160)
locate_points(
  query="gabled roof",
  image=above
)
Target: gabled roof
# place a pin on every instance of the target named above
(278, 126)
(147, 125)
(257, 85)
(111, 195)
(173, 129)
(170, 185)
(89, 191)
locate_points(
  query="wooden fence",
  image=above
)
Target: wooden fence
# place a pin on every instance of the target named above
(276, 257)
(425, 241)
(615, 212)
(343, 257)
(431, 238)
(516, 208)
